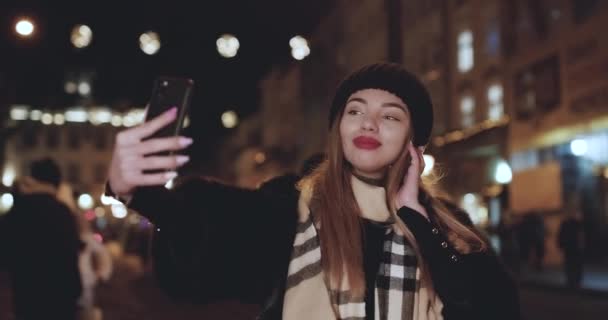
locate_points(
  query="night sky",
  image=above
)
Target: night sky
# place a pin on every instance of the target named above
(33, 71)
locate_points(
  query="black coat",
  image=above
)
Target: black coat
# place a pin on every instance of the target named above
(219, 242)
(40, 244)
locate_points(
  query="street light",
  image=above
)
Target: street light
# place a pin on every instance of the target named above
(230, 119)
(81, 36)
(149, 42)
(299, 47)
(6, 202)
(35, 115)
(19, 112)
(76, 115)
(84, 88)
(59, 119)
(578, 147)
(24, 27)
(119, 211)
(100, 115)
(503, 174)
(105, 200)
(116, 120)
(227, 46)
(85, 201)
(133, 117)
(46, 118)
(8, 176)
(70, 87)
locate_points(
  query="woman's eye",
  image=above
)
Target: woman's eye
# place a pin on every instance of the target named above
(391, 118)
(354, 112)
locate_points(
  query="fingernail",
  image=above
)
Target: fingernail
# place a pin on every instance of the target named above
(182, 159)
(170, 175)
(184, 141)
(172, 112)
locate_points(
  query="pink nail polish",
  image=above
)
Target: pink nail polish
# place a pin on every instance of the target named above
(172, 112)
(170, 175)
(182, 159)
(183, 141)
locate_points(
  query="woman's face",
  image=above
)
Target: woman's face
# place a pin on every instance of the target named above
(373, 130)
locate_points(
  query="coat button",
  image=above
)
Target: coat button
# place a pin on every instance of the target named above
(454, 258)
(444, 244)
(435, 231)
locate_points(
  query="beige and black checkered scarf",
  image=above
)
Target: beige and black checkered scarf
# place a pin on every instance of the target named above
(399, 292)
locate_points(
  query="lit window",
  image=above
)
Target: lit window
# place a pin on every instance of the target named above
(467, 111)
(476, 209)
(495, 104)
(465, 51)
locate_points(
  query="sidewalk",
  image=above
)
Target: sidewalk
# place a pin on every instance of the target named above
(132, 294)
(595, 279)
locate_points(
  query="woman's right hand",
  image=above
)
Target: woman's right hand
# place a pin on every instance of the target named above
(129, 158)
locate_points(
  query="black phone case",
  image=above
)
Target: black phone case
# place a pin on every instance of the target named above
(170, 92)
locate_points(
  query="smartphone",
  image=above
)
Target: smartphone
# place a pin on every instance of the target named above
(168, 93)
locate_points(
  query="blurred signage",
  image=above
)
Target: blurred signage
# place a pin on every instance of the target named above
(539, 188)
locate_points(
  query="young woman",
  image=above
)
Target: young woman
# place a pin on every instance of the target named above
(361, 237)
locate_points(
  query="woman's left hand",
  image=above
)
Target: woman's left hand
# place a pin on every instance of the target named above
(407, 196)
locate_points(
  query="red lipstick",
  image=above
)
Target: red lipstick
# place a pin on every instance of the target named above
(366, 143)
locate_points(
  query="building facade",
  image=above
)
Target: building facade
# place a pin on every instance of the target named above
(80, 140)
(519, 95)
(557, 66)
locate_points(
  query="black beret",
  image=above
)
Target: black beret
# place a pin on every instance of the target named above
(395, 79)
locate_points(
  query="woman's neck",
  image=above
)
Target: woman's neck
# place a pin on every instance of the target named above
(371, 198)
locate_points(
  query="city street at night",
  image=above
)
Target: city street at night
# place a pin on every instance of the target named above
(296, 160)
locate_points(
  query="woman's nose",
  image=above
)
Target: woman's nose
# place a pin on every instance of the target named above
(369, 123)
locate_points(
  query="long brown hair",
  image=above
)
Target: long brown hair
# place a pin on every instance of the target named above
(335, 210)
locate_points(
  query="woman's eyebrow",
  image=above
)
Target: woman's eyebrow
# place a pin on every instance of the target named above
(395, 105)
(386, 104)
(356, 99)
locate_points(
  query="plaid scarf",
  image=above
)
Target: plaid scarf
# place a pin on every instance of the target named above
(310, 295)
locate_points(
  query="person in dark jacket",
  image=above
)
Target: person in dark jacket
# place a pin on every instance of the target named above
(570, 240)
(361, 237)
(42, 244)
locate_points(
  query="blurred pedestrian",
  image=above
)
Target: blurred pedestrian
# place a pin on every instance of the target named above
(570, 240)
(532, 240)
(94, 261)
(509, 246)
(42, 242)
(361, 237)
